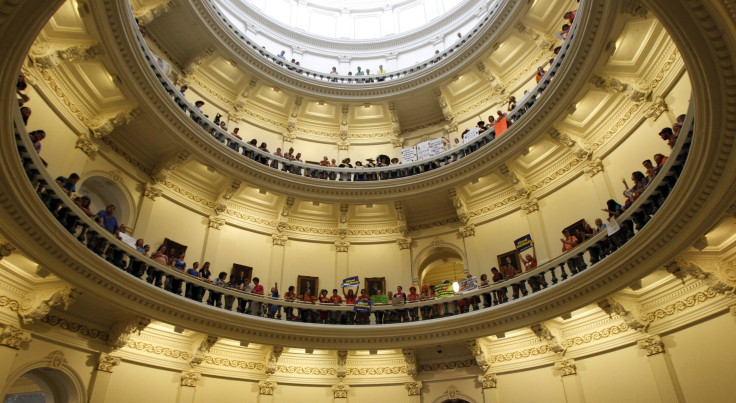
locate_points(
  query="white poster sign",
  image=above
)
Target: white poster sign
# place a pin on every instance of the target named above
(408, 155)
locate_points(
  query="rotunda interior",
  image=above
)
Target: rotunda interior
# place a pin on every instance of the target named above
(481, 162)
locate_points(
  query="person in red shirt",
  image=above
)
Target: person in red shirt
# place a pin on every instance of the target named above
(335, 299)
(289, 296)
(413, 297)
(307, 315)
(530, 263)
(363, 317)
(258, 290)
(349, 300)
(323, 299)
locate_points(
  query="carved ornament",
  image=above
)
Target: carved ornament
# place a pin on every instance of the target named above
(652, 344)
(566, 367)
(266, 388)
(488, 381)
(13, 337)
(106, 362)
(37, 304)
(413, 388)
(190, 379)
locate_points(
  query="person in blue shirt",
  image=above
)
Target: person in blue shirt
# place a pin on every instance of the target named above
(192, 291)
(106, 219)
(175, 282)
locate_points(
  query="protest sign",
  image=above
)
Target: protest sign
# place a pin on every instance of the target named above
(363, 305)
(612, 227)
(500, 126)
(523, 243)
(443, 291)
(469, 284)
(408, 155)
(379, 299)
(351, 282)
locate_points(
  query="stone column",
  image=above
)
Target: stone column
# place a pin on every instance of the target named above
(537, 230)
(472, 264)
(11, 339)
(265, 391)
(602, 185)
(665, 377)
(212, 240)
(278, 252)
(488, 383)
(341, 260)
(340, 393)
(189, 381)
(101, 377)
(414, 390)
(150, 194)
(405, 262)
(570, 382)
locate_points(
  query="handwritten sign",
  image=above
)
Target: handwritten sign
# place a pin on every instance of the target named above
(469, 284)
(408, 155)
(443, 291)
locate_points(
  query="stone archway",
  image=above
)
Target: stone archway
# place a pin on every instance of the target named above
(47, 385)
(103, 191)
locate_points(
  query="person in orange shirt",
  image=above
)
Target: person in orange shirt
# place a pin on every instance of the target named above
(569, 242)
(335, 299)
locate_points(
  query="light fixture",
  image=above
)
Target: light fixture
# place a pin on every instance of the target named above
(275, 89)
(178, 329)
(244, 344)
(366, 106)
(455, 286)
(309, 350)
(262, 191)
(369, 205)
(321, 103)
(315, 203)
(475, 181)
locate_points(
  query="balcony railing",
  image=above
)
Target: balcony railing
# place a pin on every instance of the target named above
(554, 273)
(346, 79)
(349, 174)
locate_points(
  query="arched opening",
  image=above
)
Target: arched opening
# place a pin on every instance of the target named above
(441, 264)
(43, 385)
(103, 191)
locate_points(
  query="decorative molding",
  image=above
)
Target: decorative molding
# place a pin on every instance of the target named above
(635, 9)
(467, 231)
(125, 155)
(273, 359)
(198, 355)
(342, 359)
(547, 335)
(652, 344)
(159, 350)
(56, 359)
(13, 337)
(404, 243)
(152, 192)
(566, 367)
(163, 170)
(595, 336)
(656, 108)
(37, 304)
(342, 246)
(414, 388)
(76, 327)
(340, 391)
(515, 355)
(87, 146)
(279, 239)
(377, 371)
(215, 222)
(488, 381)
(629, 313)
(121, 332)
(6, 249)
(226, 362)
(266, 387)
(106, 362)
(102, 126)
(476, 349)
(190, 379)
(446, 365)
(306, 370)
(530, 205)
(12, 304)
(594, 167)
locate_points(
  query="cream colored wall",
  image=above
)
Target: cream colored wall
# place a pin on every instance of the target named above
(59, 136)
(302, 393)
(602, 377)
(369, 260)
(212, 389)
(702, 355)
(497, 237)
(170, 220)
(245, 248)
(534, 385)
(132, 382)
(371, 394)
(309, 259)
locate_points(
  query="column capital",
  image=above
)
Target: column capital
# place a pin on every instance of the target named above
(413, 388)
(190, 379)
(467, 231)
(279, 240)
(13, 337)
(404, 243)
(216, 222)
(152, 192)
(566, 367)
(56, 359)
(488, 381)
(37, 304)
(652, 344)
(266, 387)
(340, 391)
(106, 362)
(594, 167)
(342, 246)
(530, 205)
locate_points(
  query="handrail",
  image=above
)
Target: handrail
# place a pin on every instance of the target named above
(348, 174)
(120, 255)
(346, 79)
